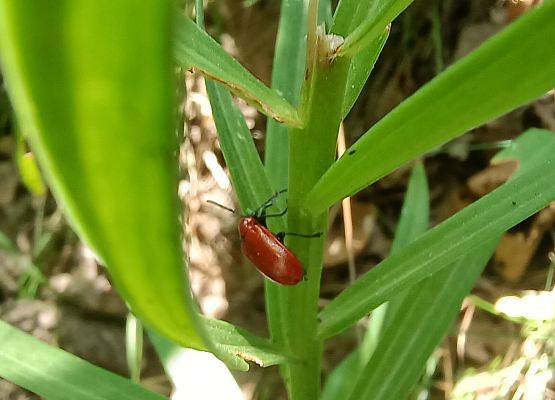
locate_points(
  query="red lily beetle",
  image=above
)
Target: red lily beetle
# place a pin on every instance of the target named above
(266, 250)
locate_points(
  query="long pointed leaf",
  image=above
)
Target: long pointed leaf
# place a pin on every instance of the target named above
(408, 341)
(55, 374)
(412, 223)
(475, 90)
(490, 216)
(380, 14)
(194, 48)
(101, 126)
(422, 316)
(287, 77)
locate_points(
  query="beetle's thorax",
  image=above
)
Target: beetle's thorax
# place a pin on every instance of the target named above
(246, 224)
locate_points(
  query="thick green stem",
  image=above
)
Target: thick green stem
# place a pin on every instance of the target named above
(312, 151)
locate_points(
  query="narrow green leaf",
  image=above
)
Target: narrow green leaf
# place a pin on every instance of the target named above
(28, 168)
(413, 222)
(475, 90)
(235, 346)
(325, 15)
(194, 48)
(100, 124)
(380, 15)
(349, 14)
(426, 314)
(250, 182)
(487, 218)
(54, 374)
(415, 213)
(361, 67)
(287, 77)
(245, 346)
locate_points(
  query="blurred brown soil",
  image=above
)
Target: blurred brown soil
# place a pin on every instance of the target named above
(76, 308)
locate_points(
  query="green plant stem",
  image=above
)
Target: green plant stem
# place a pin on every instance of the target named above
(312, 150)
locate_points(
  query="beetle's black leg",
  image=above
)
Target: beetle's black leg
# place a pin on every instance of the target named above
(281, 235)
(304, 235)
(281, 214)
(260, 212)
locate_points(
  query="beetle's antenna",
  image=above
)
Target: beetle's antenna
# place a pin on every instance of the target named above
(222, 206)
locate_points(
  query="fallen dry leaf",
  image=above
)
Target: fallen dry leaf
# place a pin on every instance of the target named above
(515, 251)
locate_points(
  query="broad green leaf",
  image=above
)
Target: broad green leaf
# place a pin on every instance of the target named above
(54, 374)
(287, 77)
(426, 314)
(475, 90)
(100, 124)
(380, 15)
(485, 219)
(412, 223)
(194, 48)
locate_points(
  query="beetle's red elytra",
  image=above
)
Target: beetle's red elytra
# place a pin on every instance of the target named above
(266, 250)
(268, 254)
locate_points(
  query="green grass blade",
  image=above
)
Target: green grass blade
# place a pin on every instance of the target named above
(194, 48)
(475, 90)
(287, 77)
(361, 67)
(427, 313)
(487, 218)
(100, 124)
(380, 14)
(349, 14)
(325, 14)
(415, 213)
(414, 337)
(54, 374)
(249, 179)
(412, 223)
